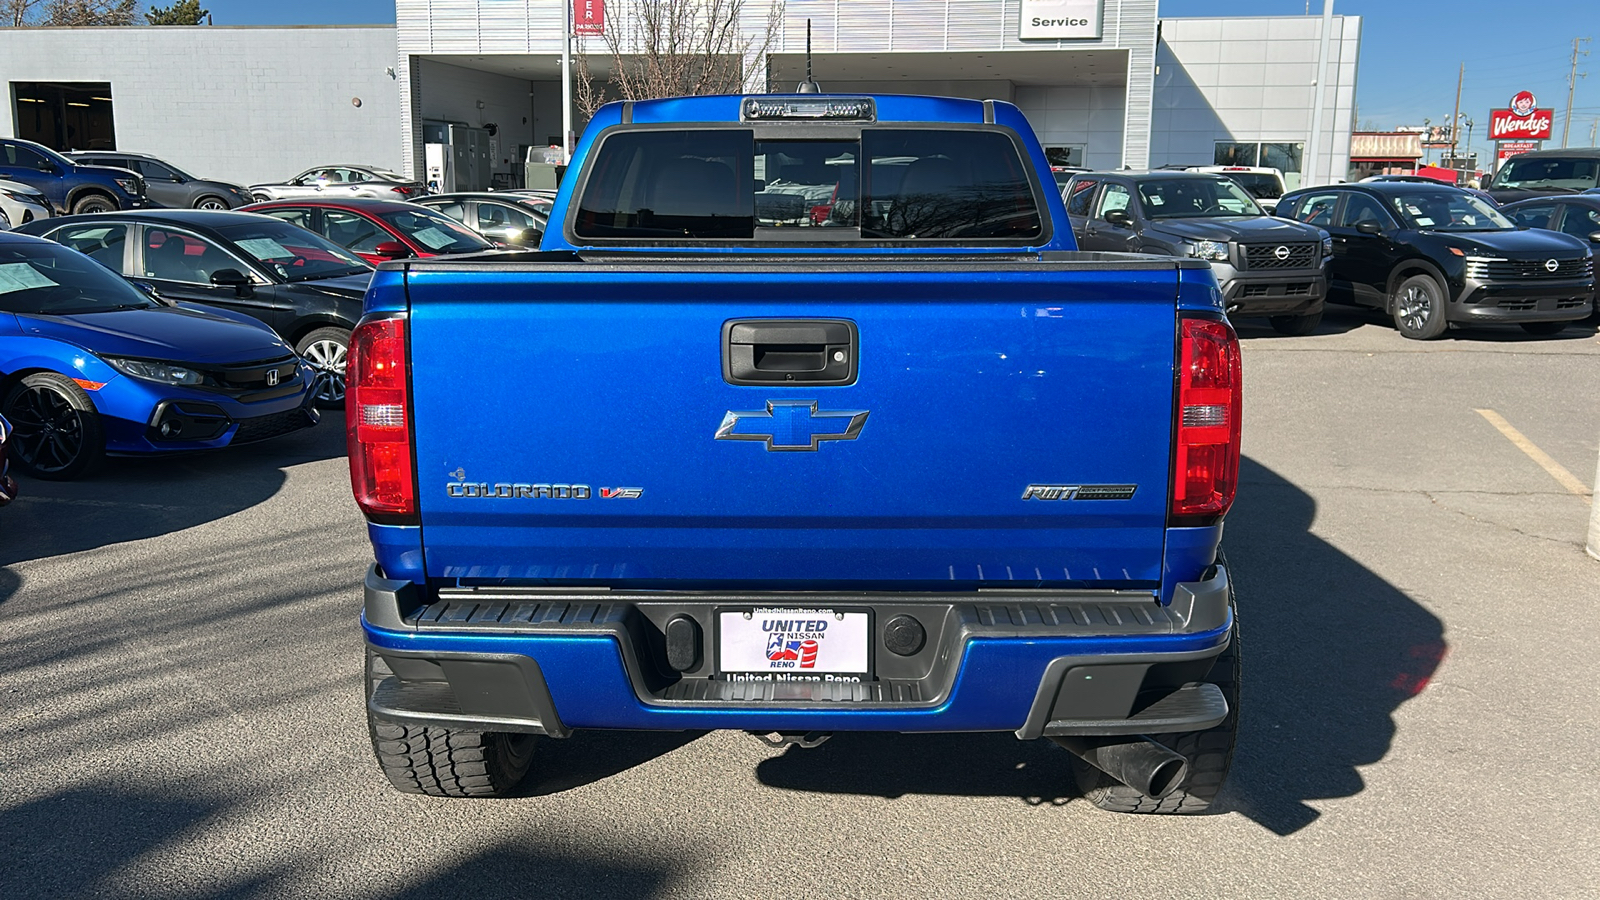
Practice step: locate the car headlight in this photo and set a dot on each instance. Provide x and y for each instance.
(1215, 250)
(1327, 246)
(160, 372)
(131, 185)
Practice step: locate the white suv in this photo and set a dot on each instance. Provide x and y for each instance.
(1264, 184)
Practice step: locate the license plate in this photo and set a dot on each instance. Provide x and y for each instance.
(795, 641)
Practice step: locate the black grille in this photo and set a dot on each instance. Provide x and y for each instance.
(1293, 256)
(1527, 269)
(262, 427)
(1287, 289)
(253, 376)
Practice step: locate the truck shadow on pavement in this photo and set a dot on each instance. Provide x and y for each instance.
(1331, 650)
(133, 498)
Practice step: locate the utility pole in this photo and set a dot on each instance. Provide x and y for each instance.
(1593, 127)
(1455, 117)
(1572, 84)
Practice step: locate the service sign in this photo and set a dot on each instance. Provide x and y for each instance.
(1523, 121)
(1055, 20)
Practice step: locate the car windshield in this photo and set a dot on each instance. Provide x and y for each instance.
(1448, 211)
(52, 280)
(1190, 198)
(1571, 173)
(295, 254)
(1261, 186)
(437, 232)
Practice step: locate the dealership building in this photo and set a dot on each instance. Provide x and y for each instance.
(1105, 83)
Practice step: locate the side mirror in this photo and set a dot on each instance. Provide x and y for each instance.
(235, 279)
(1119, 218)
(528, 237)
(149, 290)
(1369, 228)
(391, 250)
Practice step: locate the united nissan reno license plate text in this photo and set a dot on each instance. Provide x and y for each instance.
(772, 643)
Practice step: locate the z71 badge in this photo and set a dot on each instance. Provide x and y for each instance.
(1079, 491)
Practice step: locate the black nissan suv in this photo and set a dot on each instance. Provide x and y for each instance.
(1265, 266)
(1430, 255)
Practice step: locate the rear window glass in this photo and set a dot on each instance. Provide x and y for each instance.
(892, 183)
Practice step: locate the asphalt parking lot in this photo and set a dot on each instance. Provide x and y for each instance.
(180, 707)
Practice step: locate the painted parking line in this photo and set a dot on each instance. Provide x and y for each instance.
(1556, 470)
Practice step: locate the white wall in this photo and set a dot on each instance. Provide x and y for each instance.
(1253, 79)
(240, 104)
(1092, 116)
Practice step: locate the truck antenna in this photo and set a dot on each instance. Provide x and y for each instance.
(809, 86)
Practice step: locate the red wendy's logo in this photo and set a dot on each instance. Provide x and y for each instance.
(1523, 104)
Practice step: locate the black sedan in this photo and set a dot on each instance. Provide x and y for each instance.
(167, 185)
(511, 219)
(1432, 255)
(304, 286)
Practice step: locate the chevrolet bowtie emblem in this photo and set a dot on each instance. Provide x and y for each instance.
(792, 425)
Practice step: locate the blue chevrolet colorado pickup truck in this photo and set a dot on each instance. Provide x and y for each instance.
(806, 417)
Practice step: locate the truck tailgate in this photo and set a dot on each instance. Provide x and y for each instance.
(567, 427)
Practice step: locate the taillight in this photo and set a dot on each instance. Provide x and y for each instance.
(1205, 460)
(376, 410)
(404, 191)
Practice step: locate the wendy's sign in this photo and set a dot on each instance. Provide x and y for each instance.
(1524, 121)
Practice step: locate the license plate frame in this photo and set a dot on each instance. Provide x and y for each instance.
(749, 658)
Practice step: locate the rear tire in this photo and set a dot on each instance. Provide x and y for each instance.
(56, 433)
(93, 203)
(446, 762)
(1544, 329)
(327, 350)
(1418, 307)
(1209, 752)
(1296, 326)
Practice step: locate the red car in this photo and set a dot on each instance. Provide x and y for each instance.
(376, 230)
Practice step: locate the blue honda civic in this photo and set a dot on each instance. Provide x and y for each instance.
(91, 365)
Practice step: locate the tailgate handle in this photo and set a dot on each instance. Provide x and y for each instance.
(789, 351)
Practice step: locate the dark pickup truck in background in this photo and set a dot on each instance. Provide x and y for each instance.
(1266, 266)
(69, 186)
(806, 418)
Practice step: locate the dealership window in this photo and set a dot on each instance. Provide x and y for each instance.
(1286, 158)
(1068, 155)
(64, 115)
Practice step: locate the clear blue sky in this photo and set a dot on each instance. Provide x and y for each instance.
(1410, 51)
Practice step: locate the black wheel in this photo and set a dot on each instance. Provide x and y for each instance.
(1209, 752)
(446, 762)
(1544, 328)
(261, 198)
(1296, 325)
(93, 203)
(1418, 306)
(56, 431)
(326, 349)
(211, 201)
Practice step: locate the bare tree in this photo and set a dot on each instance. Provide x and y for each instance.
(17, 13)
(90, 12)
(675, 48)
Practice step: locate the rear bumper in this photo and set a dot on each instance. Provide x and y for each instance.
(1035, 663)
